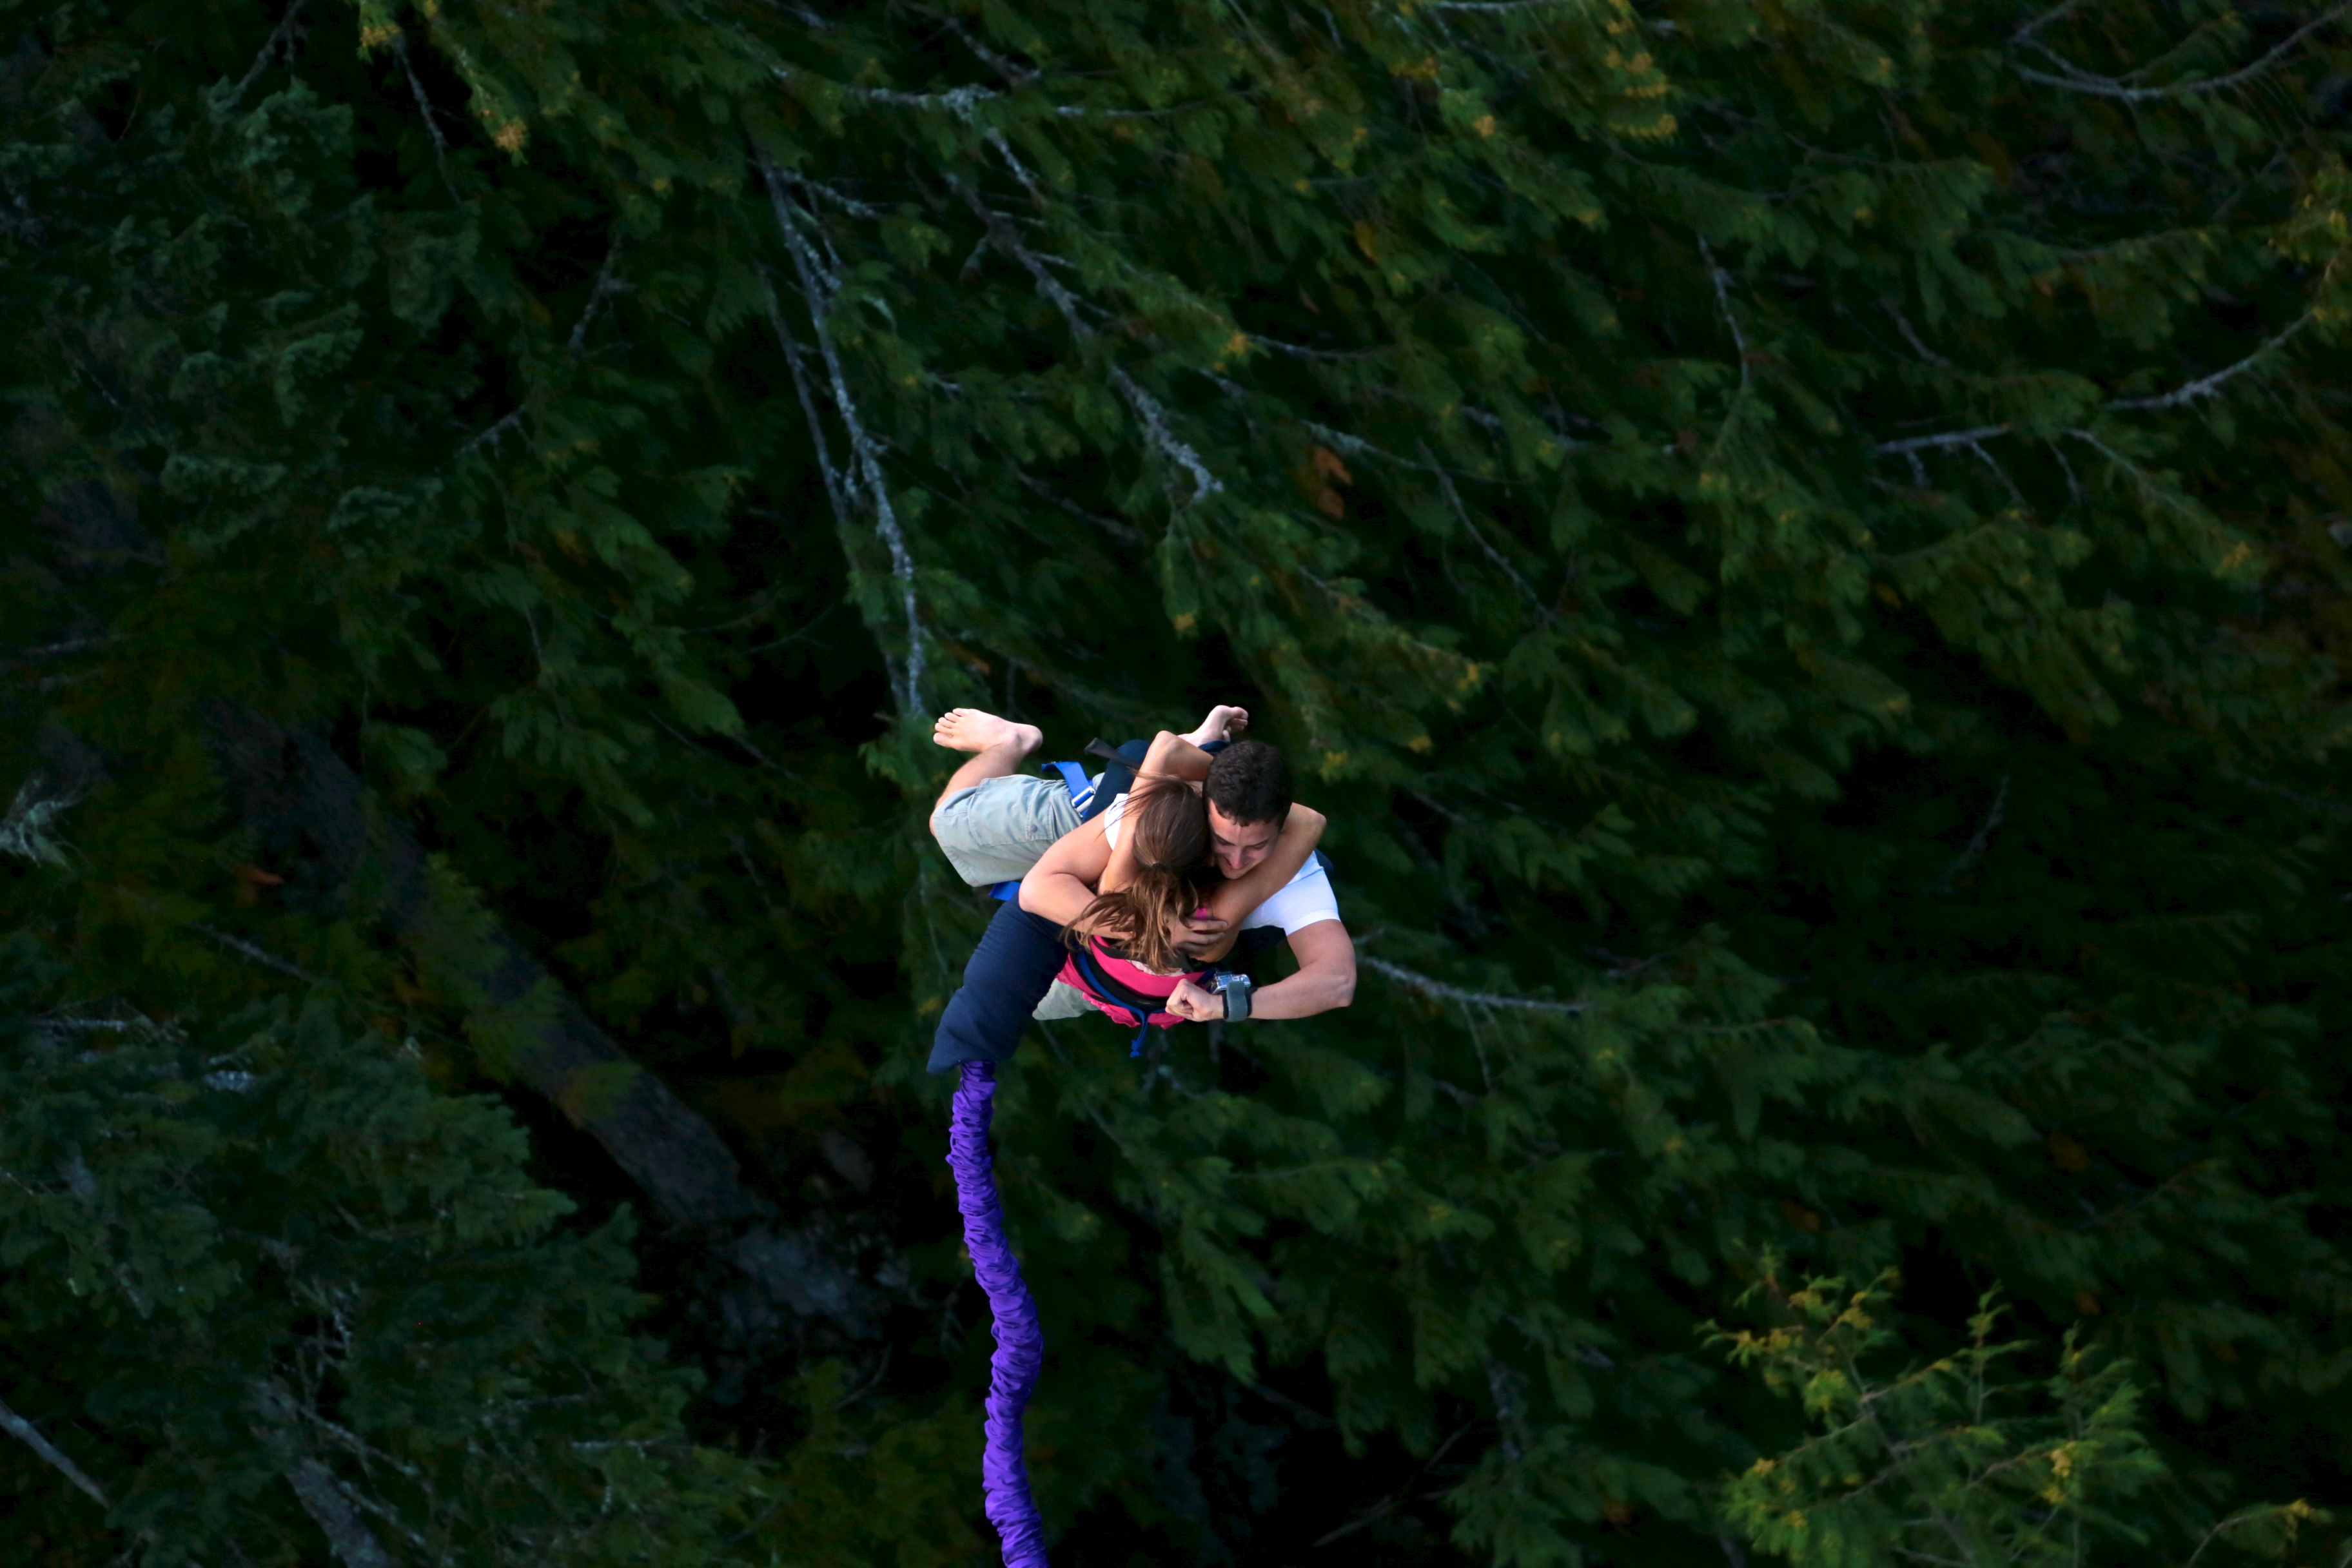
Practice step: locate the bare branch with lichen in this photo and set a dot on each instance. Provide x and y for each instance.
(2207, 386)
(2075, 79)
(24, 1432)
(1428, 985)
(259, 955)
(424, 109)
(2179, 397)
(28, 830)
(1147, 408)
(817, 293)
(280, 38)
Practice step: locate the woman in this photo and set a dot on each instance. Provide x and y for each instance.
(1124, 959)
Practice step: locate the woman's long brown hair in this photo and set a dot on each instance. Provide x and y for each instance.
(1171, 844)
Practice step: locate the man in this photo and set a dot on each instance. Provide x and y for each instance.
(996, 825)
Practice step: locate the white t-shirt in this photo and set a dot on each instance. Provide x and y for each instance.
(1298, 903)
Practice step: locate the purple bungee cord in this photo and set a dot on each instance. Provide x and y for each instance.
(1019, 1343)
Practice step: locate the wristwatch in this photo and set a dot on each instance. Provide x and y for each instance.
(1235, 989)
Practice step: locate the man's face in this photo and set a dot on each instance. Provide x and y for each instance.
(1239, 848)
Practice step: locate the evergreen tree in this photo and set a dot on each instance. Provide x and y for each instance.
(1798, 546)
(260, 1270)
(1959, 1461)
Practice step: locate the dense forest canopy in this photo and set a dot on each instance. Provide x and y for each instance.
(1801, 547)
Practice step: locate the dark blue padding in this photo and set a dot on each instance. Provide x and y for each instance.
(1120, 764)
(1010, 972)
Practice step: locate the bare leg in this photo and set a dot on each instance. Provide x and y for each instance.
(998, 746)
(1224, 722)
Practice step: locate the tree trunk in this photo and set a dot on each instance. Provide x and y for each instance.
(309, 808)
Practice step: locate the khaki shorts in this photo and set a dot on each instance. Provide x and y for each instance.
(995, 830)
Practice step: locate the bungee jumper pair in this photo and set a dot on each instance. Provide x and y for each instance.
(1020, 1341)
(1133, 996)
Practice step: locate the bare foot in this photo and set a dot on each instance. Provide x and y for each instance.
(970, 730)
(1224, 722)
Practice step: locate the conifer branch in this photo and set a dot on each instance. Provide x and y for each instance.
(1976, 846)
(322, 1498)
(849, 204)
(1020, 170)
(2024, 34)
(1155, 423)
(2312, 803)
(262, 957)
(2205, 386)
(1145, 408)
(1461, 513)
(837, 486)
(815, 23)
(1903, 324)
(24, 1432)
(1381, 1509)
(71, 644)
(961, 102)
(2075, 79)
(25, 831)
(1299, 350)
(2147, 486)
(1429, 987)
(1019, 76)
(958, 101)
(425, 111)
(493, 432)
(1948, 438)
(1125, 532)
(496, 432)
(280, 38)
(607, 285)
(1504, 1385)
(1723, 300)
(2009, 484)
(1355, 445)
(863, 451)
(2179, 397)
(2073, 484)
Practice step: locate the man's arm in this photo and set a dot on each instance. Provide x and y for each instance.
(1325, 979)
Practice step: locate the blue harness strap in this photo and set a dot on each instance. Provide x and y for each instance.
(1074, 775)
(1108, 990)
